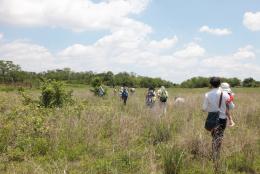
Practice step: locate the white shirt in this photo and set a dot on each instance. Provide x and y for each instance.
(211, 102)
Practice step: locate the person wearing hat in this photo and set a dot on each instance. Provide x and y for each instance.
(230, 105)
(215, 104)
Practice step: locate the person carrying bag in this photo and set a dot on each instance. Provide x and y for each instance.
(213, 117)
(215, 104)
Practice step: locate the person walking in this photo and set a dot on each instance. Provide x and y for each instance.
(150, 97)
(124, 95)
(162, 95)
(215, 104)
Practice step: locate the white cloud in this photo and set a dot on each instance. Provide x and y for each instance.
(240, 64)
(163, 44)
(78, 15)
(191, 50)
(30, 56)
(1, 36)
(115, 52)
(215, 31)
(252, 21)
(244, 53)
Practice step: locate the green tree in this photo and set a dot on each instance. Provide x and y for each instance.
(8, 71)
(249, 82)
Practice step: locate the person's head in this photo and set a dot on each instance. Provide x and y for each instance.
(162, 88)
(151, 88)
(214, 82)
(226, 87)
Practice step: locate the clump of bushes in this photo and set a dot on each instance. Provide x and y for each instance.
(54, 94)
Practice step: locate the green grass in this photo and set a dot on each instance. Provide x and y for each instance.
(101, 136)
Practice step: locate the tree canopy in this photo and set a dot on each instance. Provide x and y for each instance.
(12, 73)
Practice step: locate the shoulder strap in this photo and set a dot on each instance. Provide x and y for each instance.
(220, 100)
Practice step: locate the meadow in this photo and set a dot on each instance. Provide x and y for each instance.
(102, 136)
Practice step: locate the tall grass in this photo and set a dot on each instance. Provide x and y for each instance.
(102, 136)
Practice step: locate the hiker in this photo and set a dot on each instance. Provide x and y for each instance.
(215, 104)
(101, 91)
(124, 94)
(150, 97)
(162, 95)
(230, 105)
(121, 91)
(115, 91)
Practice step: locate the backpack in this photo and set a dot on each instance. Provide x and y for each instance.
(124, 93)
(150, 94)
(163, 97)
(101, 91)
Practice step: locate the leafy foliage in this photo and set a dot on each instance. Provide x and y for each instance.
(202, 82)
(250, 82)
(53, 94)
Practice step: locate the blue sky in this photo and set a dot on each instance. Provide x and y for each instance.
(172, 39)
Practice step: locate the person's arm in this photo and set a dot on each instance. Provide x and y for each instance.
(205, 104)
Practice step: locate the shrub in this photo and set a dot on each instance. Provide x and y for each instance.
(53, 94)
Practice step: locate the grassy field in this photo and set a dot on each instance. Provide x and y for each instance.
(101, 136)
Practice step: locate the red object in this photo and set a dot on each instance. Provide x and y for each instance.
(231, 99)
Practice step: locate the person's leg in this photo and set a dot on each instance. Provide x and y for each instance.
(217, 138)
(164, 108)
(125, 99)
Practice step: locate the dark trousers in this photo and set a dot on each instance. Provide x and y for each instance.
(124, 99)
(217, 137)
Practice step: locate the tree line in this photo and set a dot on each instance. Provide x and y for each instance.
(11, 73)
(201, 82)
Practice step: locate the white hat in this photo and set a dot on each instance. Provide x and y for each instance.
(226, 87)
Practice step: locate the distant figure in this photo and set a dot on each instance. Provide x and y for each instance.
(150, 97)
(115, 91)
(121, 91)
(230, 105)
(132, 90)
(162, 95)
(101, 91)
(124, 95)
(179, 100)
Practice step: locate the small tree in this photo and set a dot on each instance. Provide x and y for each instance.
(54, 94)
(249, 82)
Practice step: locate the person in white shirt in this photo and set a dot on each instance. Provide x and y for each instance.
(213, 104)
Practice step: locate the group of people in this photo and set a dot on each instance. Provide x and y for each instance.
(150, 98)
(218, 103)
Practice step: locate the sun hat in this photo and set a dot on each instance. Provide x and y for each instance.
(226, 87)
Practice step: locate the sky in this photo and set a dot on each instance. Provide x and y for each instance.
(171, 39)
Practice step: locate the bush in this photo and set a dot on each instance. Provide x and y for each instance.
(53, 94)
